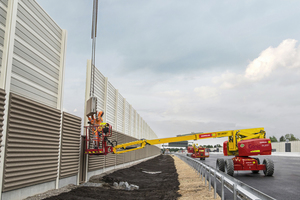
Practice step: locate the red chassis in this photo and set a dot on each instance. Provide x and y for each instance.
(96, 139)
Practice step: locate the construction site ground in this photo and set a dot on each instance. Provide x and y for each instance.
(163, 177)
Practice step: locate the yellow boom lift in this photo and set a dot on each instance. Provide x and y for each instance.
(241, 143)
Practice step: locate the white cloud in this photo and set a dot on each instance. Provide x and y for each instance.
(171, 93)
(206, 92)
(286, 55)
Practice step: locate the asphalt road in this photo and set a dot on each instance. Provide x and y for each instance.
(283, 185)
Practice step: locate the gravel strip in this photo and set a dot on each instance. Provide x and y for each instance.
(191, 186)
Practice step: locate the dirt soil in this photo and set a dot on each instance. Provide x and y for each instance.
(164, 185)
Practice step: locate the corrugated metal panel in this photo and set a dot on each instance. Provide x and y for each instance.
(99, 89)
(26, 15)
(33, 132)
(138, 126)
(44, 17)
(120, 159)
(132, 155)
(23, 51)
(121, 139)
(110, 158)
(0, 61)
(2, 103)
(134, 124)
(2, 32)
(37, 55)
(70, 145)
(127, 118)
(96, 162)
(3, 16)
(120, 113)
(29, 38)
(129, 156)
(111, 104)
(4, 2)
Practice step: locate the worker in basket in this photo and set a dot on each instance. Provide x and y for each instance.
(96, 129)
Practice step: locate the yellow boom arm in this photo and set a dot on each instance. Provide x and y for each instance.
(234, 136)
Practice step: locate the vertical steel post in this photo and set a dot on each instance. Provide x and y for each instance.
(193, 165)
(234, 192)
(201, 172)
(222, 185)
(205, 173)
(209, 178)
(215, 185)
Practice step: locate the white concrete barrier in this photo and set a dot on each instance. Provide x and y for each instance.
(292, 154)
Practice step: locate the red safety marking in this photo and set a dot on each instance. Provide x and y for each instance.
(205, 135)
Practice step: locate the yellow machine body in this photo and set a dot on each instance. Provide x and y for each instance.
(234, 136)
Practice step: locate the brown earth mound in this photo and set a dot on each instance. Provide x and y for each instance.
(162, 185)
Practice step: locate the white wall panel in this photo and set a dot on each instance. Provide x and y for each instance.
(43, 16)
(111, 104)
(34, 52)
(127, 118)
(99, 89)
(3, 13)
(32, 59)
(119, 113)
(132, 121)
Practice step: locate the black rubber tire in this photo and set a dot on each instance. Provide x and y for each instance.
(220, 165)
(256, 171)
(269, 167)
(203, 158)
(229, 167)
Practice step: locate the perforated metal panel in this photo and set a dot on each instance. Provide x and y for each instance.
(2, 104)
(70, 146)
(32, 143)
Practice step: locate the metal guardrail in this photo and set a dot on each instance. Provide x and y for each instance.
(239, 189)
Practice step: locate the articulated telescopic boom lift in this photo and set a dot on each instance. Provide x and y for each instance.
(241, 144)
(197, 152)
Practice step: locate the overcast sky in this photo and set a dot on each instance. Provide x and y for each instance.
(190, 66)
